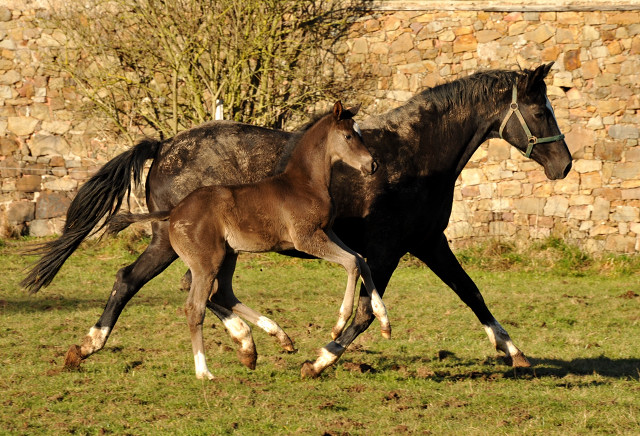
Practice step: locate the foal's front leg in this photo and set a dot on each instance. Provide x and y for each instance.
(321, 245)
(379, 309)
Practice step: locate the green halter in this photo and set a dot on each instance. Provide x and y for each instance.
(532, 140)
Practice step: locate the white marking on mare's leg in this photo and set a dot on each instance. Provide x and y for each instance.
(202, 371)
(328, 356)
(502, 342)
(95, 340)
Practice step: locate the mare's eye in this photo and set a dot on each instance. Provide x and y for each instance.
(539, 115)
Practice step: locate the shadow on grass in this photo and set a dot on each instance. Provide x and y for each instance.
(602, 365)
(34, 304)
(446, 366)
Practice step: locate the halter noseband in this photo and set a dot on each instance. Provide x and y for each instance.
(532, 140)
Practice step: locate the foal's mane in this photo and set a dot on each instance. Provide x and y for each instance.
(293, 140)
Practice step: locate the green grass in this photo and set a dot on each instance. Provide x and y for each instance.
(576, 317)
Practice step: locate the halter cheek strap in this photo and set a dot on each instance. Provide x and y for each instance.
(532, 140)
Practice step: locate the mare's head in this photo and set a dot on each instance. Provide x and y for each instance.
(344, 140)
(529, 124)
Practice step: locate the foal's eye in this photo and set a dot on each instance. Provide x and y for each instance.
(347, 137)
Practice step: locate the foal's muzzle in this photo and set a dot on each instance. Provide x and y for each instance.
(369, 169)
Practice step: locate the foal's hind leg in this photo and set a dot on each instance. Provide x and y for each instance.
(156, 257)
(201, 288)
(226, 298)
(240, 332)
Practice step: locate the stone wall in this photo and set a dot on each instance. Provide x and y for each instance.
(48, 149)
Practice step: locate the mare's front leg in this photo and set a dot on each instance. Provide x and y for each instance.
(156, 257)
(240, 333)
(444, 264)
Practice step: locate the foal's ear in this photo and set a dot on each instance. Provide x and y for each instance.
(337, 110)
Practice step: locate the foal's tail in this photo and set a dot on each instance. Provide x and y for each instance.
(100, 197)
(121, 221)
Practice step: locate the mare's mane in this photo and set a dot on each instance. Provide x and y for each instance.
(483, 87)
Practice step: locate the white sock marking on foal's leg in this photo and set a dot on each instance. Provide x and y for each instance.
(201, 366)
(268, 325)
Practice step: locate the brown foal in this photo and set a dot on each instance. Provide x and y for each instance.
(292, 210)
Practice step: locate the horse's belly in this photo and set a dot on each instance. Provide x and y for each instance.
(255, 243)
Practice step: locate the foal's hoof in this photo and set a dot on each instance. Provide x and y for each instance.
(248, 359)
(287, 345)
(308, 371)
(518, 360)
(386, 333)
(73, 358)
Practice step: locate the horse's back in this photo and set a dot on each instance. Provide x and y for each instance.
(217, 152)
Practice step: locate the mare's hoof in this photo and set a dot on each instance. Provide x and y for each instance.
(386, 333)
(248, 359)
(73, 358)
(519, 360)
(308, 371)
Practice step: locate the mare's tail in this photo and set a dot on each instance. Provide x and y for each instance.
(100, 197)
(121, 221)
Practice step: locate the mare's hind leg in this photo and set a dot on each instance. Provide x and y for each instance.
(445, 265)
(156, 257)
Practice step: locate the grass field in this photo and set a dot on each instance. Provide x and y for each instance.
(576, 318)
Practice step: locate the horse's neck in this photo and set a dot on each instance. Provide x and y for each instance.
(309, 163)
(440, 142)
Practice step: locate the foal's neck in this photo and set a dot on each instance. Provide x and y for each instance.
(310, 163)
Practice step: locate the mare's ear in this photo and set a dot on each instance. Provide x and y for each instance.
(538, 75)
(337, 110)
(354, 110)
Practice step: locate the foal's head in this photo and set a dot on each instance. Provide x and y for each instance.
(344, 140)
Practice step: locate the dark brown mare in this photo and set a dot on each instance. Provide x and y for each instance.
(291, 210)
(421, 146)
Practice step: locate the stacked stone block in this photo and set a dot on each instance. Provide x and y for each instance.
(48, 149)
